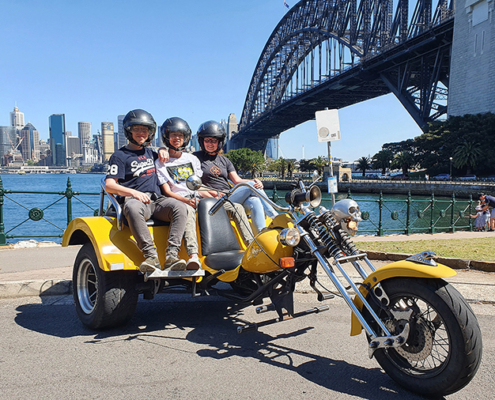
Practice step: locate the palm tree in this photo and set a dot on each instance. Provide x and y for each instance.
(364, 163)
(467, 155)
(403, 160)
(320, 163)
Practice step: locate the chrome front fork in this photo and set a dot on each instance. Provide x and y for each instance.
(376, 342)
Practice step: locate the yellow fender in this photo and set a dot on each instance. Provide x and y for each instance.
(115, 250)
(396, 270)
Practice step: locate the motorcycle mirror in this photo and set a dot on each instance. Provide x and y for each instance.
(315, 175)
(194, 182)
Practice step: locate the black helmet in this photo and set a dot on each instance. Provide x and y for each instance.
(175, 124)
(211, 129)
(139, 117)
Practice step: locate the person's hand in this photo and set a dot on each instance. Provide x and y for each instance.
(258, 184)
(163, 155)
(192, 202)
(142, 197)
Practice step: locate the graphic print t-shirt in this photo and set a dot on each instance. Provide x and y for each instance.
(176, 171)
(134, 169)
(216, 170)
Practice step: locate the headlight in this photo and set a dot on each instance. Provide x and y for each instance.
(289, 237)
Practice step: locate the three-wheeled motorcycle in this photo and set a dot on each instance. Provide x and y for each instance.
(419, 328)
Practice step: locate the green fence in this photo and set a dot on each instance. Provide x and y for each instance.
(419, 214)
(381, 216)
(38, 214)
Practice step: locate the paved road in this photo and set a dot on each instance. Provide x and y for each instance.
(175, 349)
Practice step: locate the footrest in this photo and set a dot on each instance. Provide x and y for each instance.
(190, 273)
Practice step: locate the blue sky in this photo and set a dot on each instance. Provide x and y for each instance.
(95, 59)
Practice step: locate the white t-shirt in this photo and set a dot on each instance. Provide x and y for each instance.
(176, 171)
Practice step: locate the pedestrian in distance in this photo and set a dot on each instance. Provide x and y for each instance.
(489, 202)
(172, 177)
(132, 178)
(480, 222)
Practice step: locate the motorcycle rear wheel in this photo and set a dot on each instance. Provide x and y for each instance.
(103, 299)
(444, 348)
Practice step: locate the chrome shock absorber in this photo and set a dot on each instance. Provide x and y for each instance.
(324, 236)
(332, 225)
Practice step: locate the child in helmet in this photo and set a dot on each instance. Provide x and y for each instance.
(172, 176)
(132, 177)
(218, 170)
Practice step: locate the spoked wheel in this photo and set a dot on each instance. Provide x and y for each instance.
(102, 299)
(443, 351)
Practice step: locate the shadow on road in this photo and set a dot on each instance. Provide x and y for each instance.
(211, 327)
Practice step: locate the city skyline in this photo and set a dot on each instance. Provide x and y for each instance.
(199, 73)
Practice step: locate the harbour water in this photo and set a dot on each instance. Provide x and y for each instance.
(18, 207)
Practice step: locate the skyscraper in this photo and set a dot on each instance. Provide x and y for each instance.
(7, 138)
(121, 140)
(107, 133)
(57, 139)
(27, 137)
(17, 119)
(84, 130)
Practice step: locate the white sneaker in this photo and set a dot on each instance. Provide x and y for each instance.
(193, 263)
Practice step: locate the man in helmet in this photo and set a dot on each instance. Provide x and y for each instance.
(132, 177)
(172, 176)
(218, 170)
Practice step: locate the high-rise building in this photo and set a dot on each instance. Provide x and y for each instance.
(57, 139)
(84, 131)
(107, 133)
(120, 139)
(27, 137)
(7, 139)
(17, 119)
(272, 148)
(231, 129)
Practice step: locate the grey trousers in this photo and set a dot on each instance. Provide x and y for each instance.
(238, 214)
(190, 234)
(164, 209)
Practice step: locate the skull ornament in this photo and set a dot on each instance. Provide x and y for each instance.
(348, 214)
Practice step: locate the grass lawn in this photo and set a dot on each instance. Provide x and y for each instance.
(482, 249)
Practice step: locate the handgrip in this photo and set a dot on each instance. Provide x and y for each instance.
(217, 205)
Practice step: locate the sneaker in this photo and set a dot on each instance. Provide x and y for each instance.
(174, 264)
(151, 264)
(193, 263)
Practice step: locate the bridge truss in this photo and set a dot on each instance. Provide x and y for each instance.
(334, 53)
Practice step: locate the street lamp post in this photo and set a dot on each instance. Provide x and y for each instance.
(450, 168)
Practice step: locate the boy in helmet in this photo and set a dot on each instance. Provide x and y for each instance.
(132, 177)
(172, 176)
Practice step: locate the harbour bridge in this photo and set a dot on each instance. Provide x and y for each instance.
(335, 53)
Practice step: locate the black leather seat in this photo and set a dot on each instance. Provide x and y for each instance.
(218, 240)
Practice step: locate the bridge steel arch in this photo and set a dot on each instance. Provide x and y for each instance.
(334, 53)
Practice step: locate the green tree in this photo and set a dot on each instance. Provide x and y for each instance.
(467, 155)
(382, 159)
(364, 163)
(247, 160)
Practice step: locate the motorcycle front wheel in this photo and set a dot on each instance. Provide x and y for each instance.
(443, 351)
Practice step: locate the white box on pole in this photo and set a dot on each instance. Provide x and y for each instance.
(327, 125)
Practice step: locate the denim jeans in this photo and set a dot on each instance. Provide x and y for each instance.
(254, 206)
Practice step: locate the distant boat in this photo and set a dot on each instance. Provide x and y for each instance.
(21, 172)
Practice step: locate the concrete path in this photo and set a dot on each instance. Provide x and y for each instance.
(47, 268)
